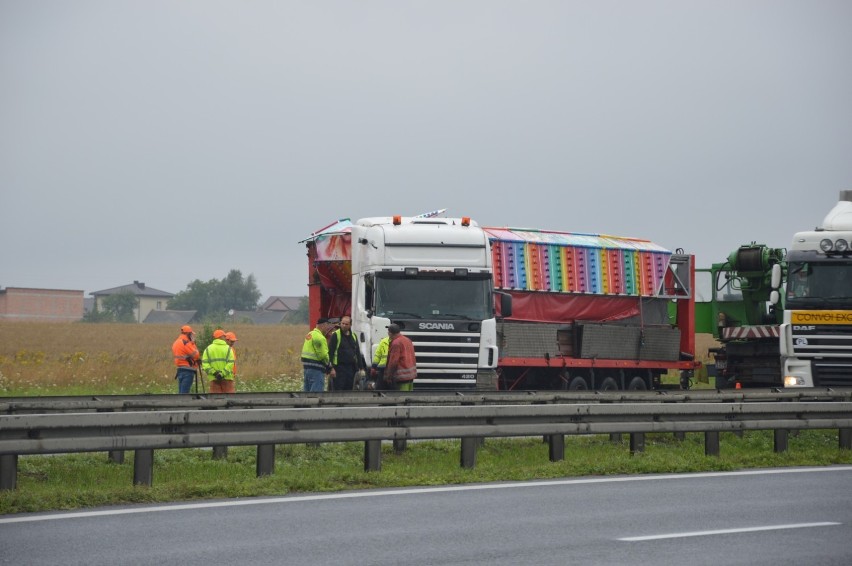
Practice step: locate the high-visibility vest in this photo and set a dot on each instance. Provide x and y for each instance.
(380, 357)
(185, 352)
(340, 337)
(218, 356)
(315, 350)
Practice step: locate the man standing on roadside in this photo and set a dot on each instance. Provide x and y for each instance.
(218, 363)
(346, 357)
(186, 358)
(231, 339)
(402, 367)
(380, 361)
(315, 360)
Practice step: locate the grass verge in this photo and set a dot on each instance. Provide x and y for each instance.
(87, 480)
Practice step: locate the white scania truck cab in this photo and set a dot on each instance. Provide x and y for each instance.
(433, 277)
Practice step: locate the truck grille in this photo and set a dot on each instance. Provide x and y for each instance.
(829, 347)
(445, 358)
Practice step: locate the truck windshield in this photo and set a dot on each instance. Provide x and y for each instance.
(819, 283)
(433, 298)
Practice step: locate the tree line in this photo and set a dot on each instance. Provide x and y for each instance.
(210, 299)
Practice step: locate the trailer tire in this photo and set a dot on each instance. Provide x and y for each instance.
(577, 383)
(608, 384)
(637, 384)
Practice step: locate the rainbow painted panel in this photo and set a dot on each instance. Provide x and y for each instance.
(533, 260)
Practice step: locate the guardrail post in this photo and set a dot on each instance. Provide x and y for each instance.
(372, 455)
(220, 452)
(8, 471)
(711, 443)
(399, 445)
(143, 467)
(556, 447)
(637, 442)
(845, 439)
(680, 436)
(780, 440)
(468, 452)
(265, 459)
(615, 437)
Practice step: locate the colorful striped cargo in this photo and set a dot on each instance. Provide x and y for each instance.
(564, 262)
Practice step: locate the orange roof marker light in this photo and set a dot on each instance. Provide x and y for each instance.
(465, 220)
(397, 220)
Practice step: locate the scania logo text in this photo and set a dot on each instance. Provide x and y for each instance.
(436, 326)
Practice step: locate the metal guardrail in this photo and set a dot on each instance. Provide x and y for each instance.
(21, 405)
(144, 431)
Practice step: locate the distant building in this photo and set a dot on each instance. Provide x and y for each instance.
(40, 305)
(258, 317)
(150, 299)
(176, 318)
(286, 305)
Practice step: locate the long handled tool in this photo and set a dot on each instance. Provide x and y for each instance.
(199, 377)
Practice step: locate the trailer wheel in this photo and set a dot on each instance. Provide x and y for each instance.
(637, 384)
(577, 383)
(608, 384)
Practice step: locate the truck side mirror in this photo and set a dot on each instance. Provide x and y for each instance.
(776, 276)
(774, 297)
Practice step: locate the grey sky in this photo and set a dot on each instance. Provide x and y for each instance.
(167, 141)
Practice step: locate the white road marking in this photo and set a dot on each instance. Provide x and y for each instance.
(729, 531)
(403, 491)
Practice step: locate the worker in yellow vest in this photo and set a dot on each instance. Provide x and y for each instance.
(380, 361)
(315, 359)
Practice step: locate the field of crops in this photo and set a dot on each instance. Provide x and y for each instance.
(124, 359)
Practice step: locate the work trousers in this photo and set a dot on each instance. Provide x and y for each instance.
(185, 376)
(344, 379)
(314, 379)
(222, 386)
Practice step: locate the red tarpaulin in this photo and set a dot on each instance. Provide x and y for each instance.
(561, 307)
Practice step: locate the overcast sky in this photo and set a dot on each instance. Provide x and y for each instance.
(168, 141)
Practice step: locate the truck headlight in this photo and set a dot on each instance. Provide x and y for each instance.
(793, 381)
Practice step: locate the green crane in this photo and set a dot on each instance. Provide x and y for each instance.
(743, 310)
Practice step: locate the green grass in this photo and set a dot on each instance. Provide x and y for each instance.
(87, 480)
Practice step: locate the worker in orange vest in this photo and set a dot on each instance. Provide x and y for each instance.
(186, 357)
(231, 339)
(402, 364)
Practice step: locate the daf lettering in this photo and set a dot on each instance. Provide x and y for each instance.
(811, 327)
(436, 326)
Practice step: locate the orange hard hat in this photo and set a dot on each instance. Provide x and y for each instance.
(218, 333)
(231, 336)
(186, 329)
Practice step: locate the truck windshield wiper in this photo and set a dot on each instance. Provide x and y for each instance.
(454, 315)
(401, 313)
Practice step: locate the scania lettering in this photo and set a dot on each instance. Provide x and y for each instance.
(436, 326)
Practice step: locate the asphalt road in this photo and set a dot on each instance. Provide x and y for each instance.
(800, 516)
